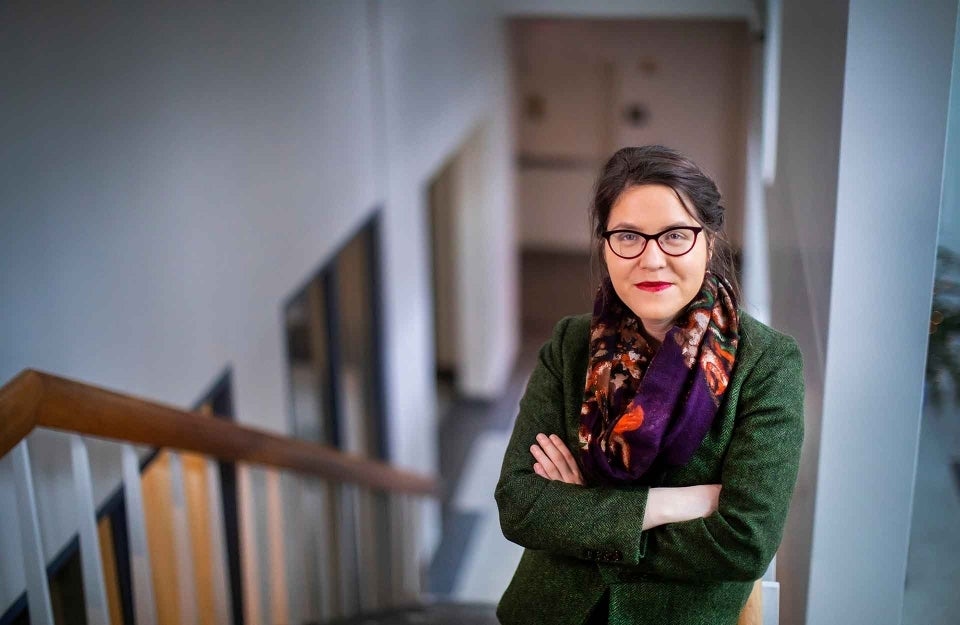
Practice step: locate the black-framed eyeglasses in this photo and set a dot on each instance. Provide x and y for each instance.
(629, 244)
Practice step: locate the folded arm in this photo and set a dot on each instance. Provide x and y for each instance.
(611, 523)
(664, 505)
(758, 476)
(541, 513)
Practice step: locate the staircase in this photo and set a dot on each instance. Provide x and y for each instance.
(318, 536)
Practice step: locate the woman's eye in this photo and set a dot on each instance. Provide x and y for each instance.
(677, 235)
(627, 237)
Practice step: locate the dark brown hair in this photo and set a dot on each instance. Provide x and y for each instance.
(656, 164)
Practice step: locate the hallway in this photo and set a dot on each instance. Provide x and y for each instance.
(474, 562)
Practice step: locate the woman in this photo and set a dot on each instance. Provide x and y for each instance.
(656, 492)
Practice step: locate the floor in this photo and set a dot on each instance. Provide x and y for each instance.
(474, 562)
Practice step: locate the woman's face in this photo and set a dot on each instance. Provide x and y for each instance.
(655, 286)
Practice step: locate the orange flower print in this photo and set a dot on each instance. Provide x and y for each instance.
(631, 420)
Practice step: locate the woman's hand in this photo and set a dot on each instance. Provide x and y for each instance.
(554, 461)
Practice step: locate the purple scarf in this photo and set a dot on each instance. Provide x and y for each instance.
(643, 405)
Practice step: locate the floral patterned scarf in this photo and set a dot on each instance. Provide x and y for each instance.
(642, 405)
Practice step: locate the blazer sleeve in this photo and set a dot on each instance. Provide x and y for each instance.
(593, 523)
(758, 476)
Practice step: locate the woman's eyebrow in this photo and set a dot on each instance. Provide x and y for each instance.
(623, 225)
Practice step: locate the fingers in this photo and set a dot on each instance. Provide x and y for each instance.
(555, 460)
(568, 458)
(547, 468)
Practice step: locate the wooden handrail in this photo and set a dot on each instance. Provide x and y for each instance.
(37, 399)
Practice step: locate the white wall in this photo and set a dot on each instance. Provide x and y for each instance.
(891, 167)
(443, 76)
(168, 177)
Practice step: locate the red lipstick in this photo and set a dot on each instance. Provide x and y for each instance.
(652, 287)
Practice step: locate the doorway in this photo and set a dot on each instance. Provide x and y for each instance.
(441, 199)
(584, 88)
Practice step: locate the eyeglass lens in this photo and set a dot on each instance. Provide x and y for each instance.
(674, 242)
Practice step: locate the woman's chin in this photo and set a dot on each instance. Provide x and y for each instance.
(658, 315)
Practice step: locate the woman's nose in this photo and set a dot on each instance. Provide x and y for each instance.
(652, 256)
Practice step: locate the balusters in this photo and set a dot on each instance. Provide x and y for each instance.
(310, 580)
(346, 549)
(204, 561)
(405, 554)
(357, 546)
(411, 535)
(279, 608)
(94, 589)
(249, 546)
(375, 557)
(204, 497)
(395, 503)
(144, 605)
(333, 559)
(185, 580)
(297, 544)
(366, 551)
(38, 593)
(218, 560)
(380, 502)
(348, 571)
(325, 554)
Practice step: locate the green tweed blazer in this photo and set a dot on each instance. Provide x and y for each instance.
(581, 541)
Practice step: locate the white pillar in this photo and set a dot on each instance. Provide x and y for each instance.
(894, 118)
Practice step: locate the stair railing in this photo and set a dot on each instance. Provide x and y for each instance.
(358, 515)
